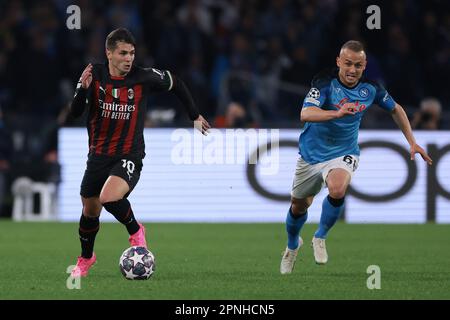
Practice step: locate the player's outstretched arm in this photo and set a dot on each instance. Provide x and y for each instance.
(401, 119)
(79, 100)
(315, 114)
(182, 93)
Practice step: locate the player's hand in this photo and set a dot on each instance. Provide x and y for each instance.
(346, 110)
(202, 125)
(415, 148)
(86, 77)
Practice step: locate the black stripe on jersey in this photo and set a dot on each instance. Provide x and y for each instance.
(103, 122)
(126, 127)
(94, 118)
(130, 145)
(114, 138)
(112, 122)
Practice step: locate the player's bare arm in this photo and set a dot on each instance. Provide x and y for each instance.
(315, 114)
(401, 119)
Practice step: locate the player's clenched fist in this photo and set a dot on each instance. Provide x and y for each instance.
(86, 77)
(347, 109)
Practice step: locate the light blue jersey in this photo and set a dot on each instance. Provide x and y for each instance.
(323, 141)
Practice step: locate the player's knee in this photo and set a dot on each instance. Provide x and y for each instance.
(299, 208)
(337, 191)
(105, 198)
(92, 210)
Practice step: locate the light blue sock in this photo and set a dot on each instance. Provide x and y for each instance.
(329, 216)
(293, 227)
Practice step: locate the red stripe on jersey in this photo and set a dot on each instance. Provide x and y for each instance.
(119, 124)
(103, 135)
(94, 117)
(131, 131)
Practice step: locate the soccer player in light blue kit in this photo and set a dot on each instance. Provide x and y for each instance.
(329, 151)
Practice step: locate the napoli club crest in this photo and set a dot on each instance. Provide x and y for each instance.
(363, 92)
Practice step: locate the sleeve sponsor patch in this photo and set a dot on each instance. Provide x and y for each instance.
(313, 101)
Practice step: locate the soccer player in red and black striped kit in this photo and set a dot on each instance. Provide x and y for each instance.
(115, 96)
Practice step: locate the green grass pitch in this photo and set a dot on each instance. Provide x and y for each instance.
(229, 261)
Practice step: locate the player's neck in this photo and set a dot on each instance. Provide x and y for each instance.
(345, 84)
(114, 72)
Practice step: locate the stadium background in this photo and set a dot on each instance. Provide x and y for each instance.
(249, 65)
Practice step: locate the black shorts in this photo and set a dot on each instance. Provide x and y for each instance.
(99, 168)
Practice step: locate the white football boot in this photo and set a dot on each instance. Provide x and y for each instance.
(289, 257)
(320, 250)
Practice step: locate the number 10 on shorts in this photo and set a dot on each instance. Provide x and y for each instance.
(129, 165)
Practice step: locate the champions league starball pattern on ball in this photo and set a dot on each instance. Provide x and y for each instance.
(137, 263)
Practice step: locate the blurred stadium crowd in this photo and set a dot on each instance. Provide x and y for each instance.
(248, 63)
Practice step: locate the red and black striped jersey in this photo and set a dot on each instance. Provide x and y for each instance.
(117, 109)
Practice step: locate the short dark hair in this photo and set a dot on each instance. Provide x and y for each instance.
(354, 45)
(117, 35)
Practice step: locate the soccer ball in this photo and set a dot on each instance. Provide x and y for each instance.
(137, 263)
